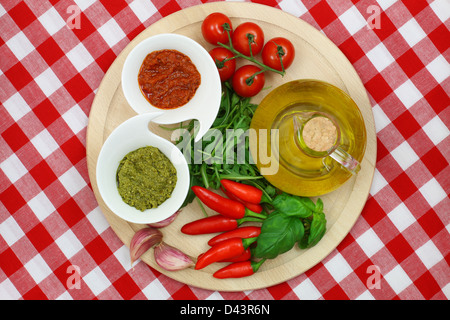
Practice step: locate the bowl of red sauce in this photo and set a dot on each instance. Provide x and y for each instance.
(173, 75)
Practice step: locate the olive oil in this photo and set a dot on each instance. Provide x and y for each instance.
(298, 172)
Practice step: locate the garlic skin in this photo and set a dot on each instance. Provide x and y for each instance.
(170, 258)
(143, 240)
(165, 222)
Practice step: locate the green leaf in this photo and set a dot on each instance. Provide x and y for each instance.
(279, 233)
(317, 229)
(293, 205)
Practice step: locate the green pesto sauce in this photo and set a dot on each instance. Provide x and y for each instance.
(146, 178)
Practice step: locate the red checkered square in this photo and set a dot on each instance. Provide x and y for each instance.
(98, 249)
(399, 248)
(403, 186)
(15, 137)
(170, 7)
(439, 37)
(378, 88)
(126, 286)
(78, 88)
(22, 15)
(406, 124)
(40, 237)
(427, 285)
(415, 6)
(35, 293)
(410, 63)
(435, 161)
(46, 112)
(86, 28)
(50, 51)
(387, 27)
(70, 212)
(12, 199)
(19, 76)
(10, 263)
(323, 14)
(438, 99)
(43, 174)
(351, 49)
(114, 7)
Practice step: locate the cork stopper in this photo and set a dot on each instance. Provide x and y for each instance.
(319, 134)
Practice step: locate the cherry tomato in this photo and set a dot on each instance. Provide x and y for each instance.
(271, 50)
(226, 70)
(212, 28)
(240, 38)
(240, 81)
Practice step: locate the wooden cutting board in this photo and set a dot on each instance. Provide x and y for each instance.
(316, 58)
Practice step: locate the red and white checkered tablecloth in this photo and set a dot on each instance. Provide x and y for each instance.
(49, 217)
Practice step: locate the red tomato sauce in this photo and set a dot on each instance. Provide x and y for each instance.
(168, 79)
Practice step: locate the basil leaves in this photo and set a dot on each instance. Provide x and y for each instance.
(294, 220)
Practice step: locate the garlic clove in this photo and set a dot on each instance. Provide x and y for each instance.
(143, 240)
(171, 259)
(165, 222)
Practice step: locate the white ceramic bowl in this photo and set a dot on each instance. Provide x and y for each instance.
(129, 136)
(203, 106)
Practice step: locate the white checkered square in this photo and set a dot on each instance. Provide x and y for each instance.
(72, 181)
(96, 281)
(16, 106)
(338, 267)
(380, 57)
(404, 155)
(52, 21)
(80, 57)
(69, 244)
(11, 231)
(433, 192)
(401, 217)
(369, 242)
(75, 118)
(13, 168)
(436, 130)
(20, 45)
(412, 32)
(143, 9)
(155, 291)
(429, 254)
(111, 32)
(41, 206)
(439, 68)
(48, 82)
(38, 268)
(294, 7)
(408, 93)
(353, 20)
(397, 279)
(44, 143)
(307, 291)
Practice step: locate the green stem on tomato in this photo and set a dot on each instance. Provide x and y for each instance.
(251, 59)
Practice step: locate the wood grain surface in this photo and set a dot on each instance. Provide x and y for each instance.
(316, 58)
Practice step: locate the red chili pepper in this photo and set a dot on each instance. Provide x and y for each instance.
(242, 232)
(243, 191)
(222, 205)
(213, 224)
(246, 255)
(238, 269)
(223, 250)
(255, 207)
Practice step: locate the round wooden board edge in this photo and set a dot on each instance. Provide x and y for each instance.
(328, 243)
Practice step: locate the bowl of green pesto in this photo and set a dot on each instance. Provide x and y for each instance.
(142, 177)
